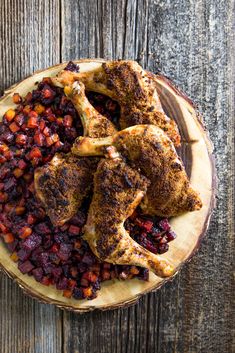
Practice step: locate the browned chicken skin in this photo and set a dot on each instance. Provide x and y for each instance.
(62, 184)
(118, 190)
(150, 151)
(131, 86)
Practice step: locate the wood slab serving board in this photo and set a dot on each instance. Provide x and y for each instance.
(196, 152)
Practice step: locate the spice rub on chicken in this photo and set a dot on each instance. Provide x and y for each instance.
(132, 87)
(118, 190)
(62, 184)
(149, 151)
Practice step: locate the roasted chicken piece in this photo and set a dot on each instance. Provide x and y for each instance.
(62, 184)
(151, 152)
(118, 190)
(132, 87)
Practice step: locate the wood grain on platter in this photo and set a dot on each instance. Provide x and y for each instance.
(196, 151)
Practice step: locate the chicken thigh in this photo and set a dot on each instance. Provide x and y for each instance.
(118, 190)
(148, 149)
(62, 184)
(132, 87)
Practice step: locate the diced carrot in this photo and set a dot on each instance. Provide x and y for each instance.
(14, 256)
(3, 228)
(2, 159)
(25, 232)
(77, 244)
(8, 154)
(72, 283)
(42, 125)
(27, 109)
(46, 131)
(3, 197)
(31, 219)
(50, 140)
(18, 172)
(134, 270)
(19, 210)
(74, 271)
(39, 108)
(16, 98)
(68, 121)
(3, 147)
(59, 121)
(35, 153)
(28, 176)
(10, 114)
(39, 139)
(9, 238)
(14, 127)
(87, 292)
(51, 118)
(21, 139)
(32, 122)
(67, 293)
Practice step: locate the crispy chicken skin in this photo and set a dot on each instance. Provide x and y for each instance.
(62, 184)
(148, 149)
(118, 190)
(132, 87)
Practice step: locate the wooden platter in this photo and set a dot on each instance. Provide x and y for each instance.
(196, 152)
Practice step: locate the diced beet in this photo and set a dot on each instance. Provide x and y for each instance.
(48, 268)
(26, 267)
(47, 241)
(163, 248)
(38, 274)
(78, 293)
(23, 254)
(11, 182)
(164, 224)
(56, 272)
(170, 235)
(62, 284)
(74, 230)
(88, 259)
(42, 228)
(71, 66)
(12, 246)
(43, 258)
(32, 242)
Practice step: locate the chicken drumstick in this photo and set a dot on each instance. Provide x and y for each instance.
(132, 87)
(63, 183)
(118, 190)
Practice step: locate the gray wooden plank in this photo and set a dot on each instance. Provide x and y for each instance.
(30, 40)
(192, 42)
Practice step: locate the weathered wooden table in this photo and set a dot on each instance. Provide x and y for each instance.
(193, 43)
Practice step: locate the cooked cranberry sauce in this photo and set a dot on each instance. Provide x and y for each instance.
(43, 123)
